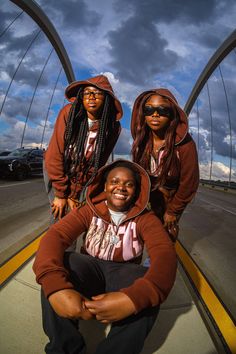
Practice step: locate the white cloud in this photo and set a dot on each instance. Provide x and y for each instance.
(219, 171)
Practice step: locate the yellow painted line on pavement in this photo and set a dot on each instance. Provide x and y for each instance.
(13, 264)
(211, 300)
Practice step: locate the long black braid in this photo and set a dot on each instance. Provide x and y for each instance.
(106, 128)
(76, 133)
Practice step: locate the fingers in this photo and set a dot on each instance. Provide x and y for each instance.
(98, 297)
(58, 211)
(61, 212)
(54, 211)
(102, 320)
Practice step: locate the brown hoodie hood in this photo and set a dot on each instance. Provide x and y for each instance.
(102, 83)
(95, 195)
(182, 127)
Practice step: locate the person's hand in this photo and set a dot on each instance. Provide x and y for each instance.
(169, 220)
(110, 307)
(59, 207)
(72, 204)
(171, 225)
(69, 303)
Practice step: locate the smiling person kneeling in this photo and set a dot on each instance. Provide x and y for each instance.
(106, 281)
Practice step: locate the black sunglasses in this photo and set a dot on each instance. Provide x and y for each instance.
(161, 110)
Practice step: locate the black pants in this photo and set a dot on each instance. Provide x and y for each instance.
(91, 277)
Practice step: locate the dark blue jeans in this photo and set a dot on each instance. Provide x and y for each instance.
(90, 277)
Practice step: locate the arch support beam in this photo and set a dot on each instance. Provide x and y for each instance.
(225, 48)
(36, 13)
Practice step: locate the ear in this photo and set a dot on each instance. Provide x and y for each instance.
(105, 187)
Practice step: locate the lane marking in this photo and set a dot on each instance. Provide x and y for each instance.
(14, 184)
(211, 300)
(13, 264)
(219, 207)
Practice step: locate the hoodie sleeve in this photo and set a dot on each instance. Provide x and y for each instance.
(48, 265)
(189, 179)
(154, 287)
(54, 156)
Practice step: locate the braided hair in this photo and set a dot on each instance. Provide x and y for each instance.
(76, 133)
(143, 144)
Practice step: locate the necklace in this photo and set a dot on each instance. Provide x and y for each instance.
(116, 220)
(113, 237)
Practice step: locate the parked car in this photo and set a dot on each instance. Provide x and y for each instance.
(4, 153)
(22, 163)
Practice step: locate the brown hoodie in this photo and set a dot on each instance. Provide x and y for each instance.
(54, 156)
(140, 227)
(183, 182)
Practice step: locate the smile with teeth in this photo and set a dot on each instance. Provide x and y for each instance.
(119, 196)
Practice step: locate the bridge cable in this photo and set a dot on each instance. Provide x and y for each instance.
(4, 31)
(4, 100)
(198, 127)
(46, 119)
(230, 125)
(211, 128)
(31, 102)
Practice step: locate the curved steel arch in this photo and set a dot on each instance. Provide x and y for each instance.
(216, 59)
(36, 13)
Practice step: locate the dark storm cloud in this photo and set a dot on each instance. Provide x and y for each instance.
(221, 147)
(73, 14)
(209, 39)
(12, 43)
(218, 123)
(193, 12)
(27, 74)
(222, 120)
(137, 43)
(203, 148)
(139, 52)
(18, 107)
(7, 17)
(138, 49)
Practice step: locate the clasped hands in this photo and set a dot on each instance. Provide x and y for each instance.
(106, 308)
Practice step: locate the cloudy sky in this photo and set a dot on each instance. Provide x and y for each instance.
(138, 44)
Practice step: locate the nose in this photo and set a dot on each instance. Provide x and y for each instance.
(121, 187)
(156, 114)
(91, 93)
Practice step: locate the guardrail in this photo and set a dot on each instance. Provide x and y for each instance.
(224, 185)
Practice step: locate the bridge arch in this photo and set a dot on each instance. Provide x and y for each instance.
(36, 13)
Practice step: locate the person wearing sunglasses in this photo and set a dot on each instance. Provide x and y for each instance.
(84, 136)
(164, 148)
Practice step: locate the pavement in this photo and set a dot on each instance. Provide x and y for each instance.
(179, 328)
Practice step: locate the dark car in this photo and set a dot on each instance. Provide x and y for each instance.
(4, 153)
(21, 163)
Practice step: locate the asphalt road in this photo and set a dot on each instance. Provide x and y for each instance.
(24, 213)
(207, 230)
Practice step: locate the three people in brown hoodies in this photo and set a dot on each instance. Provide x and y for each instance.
(115, 219)
(84, 136)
